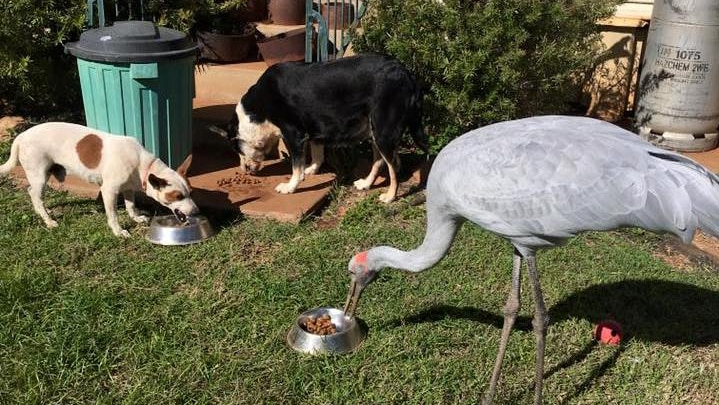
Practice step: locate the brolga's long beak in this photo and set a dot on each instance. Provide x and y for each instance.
(353, 295)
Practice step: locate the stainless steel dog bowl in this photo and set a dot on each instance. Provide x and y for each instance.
(168, 230)
(348, 336)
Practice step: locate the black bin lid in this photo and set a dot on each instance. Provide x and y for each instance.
(132, 41)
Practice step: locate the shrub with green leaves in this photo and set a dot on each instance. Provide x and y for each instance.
(38, 79)
(184, 15)
(488, 60)
(35, 75)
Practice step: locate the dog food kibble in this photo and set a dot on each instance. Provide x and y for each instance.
(239, 178)
(320, 326)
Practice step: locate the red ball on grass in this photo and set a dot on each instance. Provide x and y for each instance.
(608, 332)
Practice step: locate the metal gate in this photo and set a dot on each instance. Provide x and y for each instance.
(330, 24)
(335, 22)
(128, 10)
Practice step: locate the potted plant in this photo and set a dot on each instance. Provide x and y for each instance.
(284, 47)
(287, 12)
(184, 15)
(223, 28)
(223, 35)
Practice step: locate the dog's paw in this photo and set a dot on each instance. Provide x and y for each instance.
(311, 169)
(386, 198)
(285, 188)
(50, 223)
(362, 184)
(141, 219)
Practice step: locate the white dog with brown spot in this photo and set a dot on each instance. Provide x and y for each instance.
(118, 164)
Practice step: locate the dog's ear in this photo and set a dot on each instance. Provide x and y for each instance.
(219, 131)
(232, 126)
(184, 168)
(157, 182)
(230, 130)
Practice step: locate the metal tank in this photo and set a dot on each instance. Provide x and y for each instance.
(678, 91)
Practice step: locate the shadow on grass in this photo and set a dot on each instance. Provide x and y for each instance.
(439, 312)
(84, 204)
(649, 310)
(596, 373)
(576, 358)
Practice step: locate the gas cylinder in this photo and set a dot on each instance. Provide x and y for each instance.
(678, 89)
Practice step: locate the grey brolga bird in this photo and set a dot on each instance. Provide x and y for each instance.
(537, 182)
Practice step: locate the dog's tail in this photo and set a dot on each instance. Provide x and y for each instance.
(12, 160)
(416, 130)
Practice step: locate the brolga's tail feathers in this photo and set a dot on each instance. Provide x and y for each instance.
(668, 204)
(674, 157)
(705, 205)
(700, 195)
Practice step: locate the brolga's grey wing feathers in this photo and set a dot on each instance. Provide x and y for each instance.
(540, 180)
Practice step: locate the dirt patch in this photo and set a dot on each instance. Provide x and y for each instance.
(673, 257)
(7, 123)
(410, 189)
(708, 244)
(703, 251)
(331, 218)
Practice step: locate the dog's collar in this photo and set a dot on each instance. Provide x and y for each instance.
(147, 173)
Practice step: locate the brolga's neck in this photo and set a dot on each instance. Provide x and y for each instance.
(439, 237)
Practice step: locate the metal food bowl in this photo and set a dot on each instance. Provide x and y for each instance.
(348, 336)
(168, 230)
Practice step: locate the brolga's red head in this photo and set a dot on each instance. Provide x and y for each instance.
(362, 274)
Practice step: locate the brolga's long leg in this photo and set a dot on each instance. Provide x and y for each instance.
(511, 308)
(539, 324)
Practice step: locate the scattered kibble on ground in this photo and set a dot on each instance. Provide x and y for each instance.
(237, 179)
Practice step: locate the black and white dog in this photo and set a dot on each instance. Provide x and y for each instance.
(343, 101)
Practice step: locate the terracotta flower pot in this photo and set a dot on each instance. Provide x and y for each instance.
(227, 48)
(285, 47)
(287, 12)
(337, 15)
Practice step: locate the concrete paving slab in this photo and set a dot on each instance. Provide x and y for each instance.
(255, 195)
(218, 183)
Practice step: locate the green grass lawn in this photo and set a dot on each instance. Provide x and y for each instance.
(86, 317)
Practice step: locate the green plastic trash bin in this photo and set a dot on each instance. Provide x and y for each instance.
(137, 79)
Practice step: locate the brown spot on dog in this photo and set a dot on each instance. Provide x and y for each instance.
(174, 195)
(89, 150)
